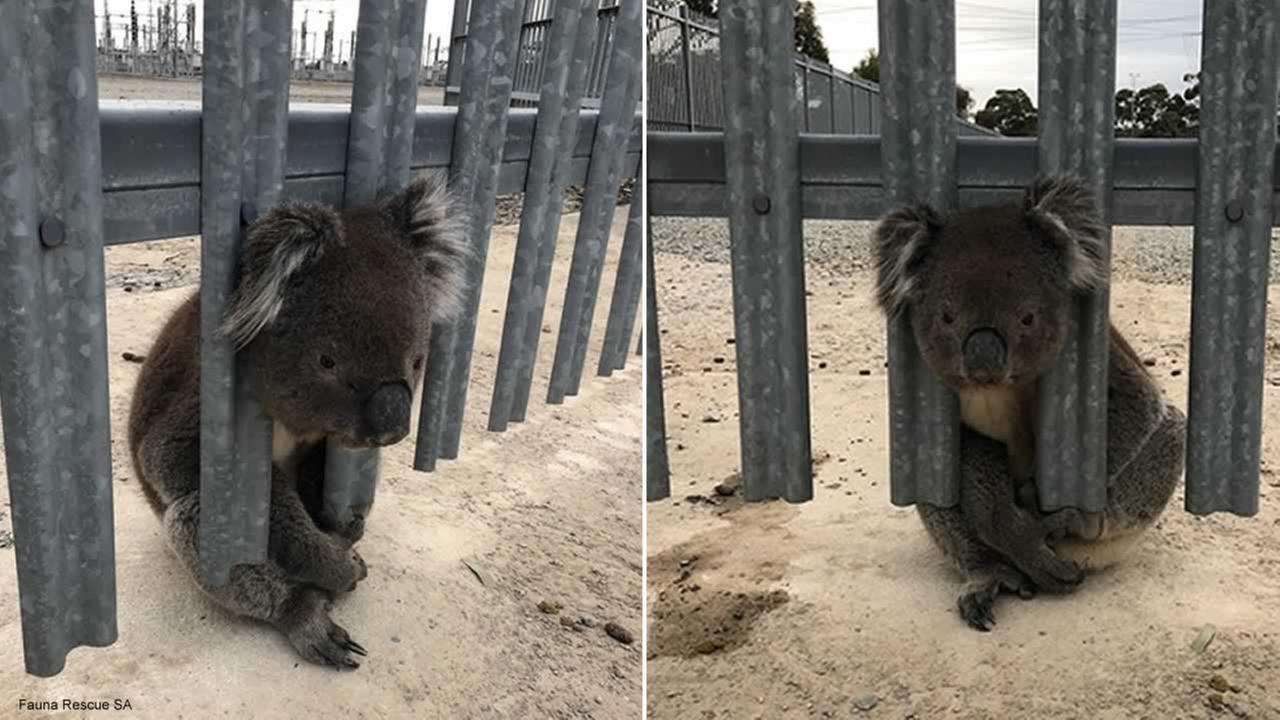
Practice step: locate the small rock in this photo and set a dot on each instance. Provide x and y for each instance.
(1219, 683)
(619, 633)
(717, 360)
(395, 638)
(710, 418)
(1176, 373)
(725, 490)
(550, 607)
(866, 702)
(586, 621)
(1149, 362)
(706, 647)
(566, 621)
(822, 365)
(130, 357)
(6, 539)
(1206, 635)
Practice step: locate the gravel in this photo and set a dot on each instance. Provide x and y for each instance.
(843, 247)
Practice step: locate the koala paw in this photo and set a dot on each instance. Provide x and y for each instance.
(977, 599)
(353, 531)
(361, 569)
(318, 639)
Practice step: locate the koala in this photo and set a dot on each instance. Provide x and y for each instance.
(988, 292)
(333, 311)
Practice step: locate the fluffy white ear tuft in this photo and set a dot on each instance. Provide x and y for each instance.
(428, 215)
(281, 243)
(1064, 208)
(902, 241)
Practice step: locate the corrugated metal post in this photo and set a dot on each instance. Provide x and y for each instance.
(1077, 137)
(657, 470)
(762, 173)
(1234, 214)
(479, 136)
(613, 131)
(918, 151)
(384, 97)
(688, 65)
(457, 50)
(604, 177)
(245, 125)
(53, 334)
(584, 61)
(543, 197)
(626, 291)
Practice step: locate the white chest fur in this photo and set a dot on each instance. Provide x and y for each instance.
(1004, 413)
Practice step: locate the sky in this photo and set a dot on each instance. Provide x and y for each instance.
(1158, 41)
(439, 18)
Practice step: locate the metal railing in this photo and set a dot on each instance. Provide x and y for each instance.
(534, 49)
(1223, 183)
(685, 92)
(74, 178)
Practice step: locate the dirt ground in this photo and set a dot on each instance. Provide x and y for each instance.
(546, 511)
(132, 87)
(841, 607)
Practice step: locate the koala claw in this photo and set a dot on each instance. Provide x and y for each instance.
(976, 608)
(318, 639)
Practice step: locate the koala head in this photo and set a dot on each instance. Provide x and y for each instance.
(989, 290)
(334, 310)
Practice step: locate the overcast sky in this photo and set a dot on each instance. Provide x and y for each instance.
(439, 18)
(1159, 41)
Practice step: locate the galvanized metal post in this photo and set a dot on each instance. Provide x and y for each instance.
(457, 50)
(1234, 214)
(657, 469)
(53, 335)
(1077, 133)
(479, 135)
(244, 124)
(762, 173)
(384, 97)
(613, 130)
(918, 153)
(584, 61)
(543, 195)
(688, 65)
(626, 291)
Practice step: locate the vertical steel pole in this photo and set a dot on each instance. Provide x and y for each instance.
(918, 152)
(657, 469)
(609, 149)
(1234, 213)
(584, 61)
(53, 335)
(1077, 133)
(479, 136)
(626, 291)
(379, 145)
(688, 65)
(762, 170)
(457, 49)
(543, 197)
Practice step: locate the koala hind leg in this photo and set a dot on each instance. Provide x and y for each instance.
(265, 592)
(985, 574)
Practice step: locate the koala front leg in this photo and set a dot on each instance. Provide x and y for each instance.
(988, 501)
(985, 574)
(302, 549)
(266, 593)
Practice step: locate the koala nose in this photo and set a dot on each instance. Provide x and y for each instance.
(984, 355)
(386, 413)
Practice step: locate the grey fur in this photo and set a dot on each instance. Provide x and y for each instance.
(333, 308)
(1013, 270)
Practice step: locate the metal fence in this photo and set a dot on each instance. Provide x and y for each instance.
(685, 91)
(74, 178)
(534, 50)
(765, 177)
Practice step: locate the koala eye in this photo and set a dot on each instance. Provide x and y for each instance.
(1028, 319)
(327, 362)
(947, 318)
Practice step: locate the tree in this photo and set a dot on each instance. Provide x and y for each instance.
(869, 69)
(1009, 112)
(808, 34)
(704, 7)
(1155, 112)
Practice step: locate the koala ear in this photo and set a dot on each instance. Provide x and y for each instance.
(902, 241)
(427, 216)
(281, 243)
(1065, 209)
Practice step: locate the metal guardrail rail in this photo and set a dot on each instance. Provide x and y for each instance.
(1224, 184)
(76, 176)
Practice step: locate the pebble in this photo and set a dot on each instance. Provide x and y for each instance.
(619, 633)
(586, 621)
(1219, 683)
(550, 607)
(866, 702)
(566, 621)
(725, 490)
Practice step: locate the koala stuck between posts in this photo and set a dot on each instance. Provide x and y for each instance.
(988, 292)
(334, 310)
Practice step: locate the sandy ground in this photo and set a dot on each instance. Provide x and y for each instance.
(132, 87)
(546, 511)
(841, 607)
